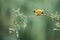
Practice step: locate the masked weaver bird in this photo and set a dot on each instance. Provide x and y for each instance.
(38, 12)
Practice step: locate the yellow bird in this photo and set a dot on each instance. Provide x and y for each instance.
(38, 12)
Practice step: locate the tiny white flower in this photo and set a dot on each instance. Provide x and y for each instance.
(56, 29)
(17, 35)
(24, 25)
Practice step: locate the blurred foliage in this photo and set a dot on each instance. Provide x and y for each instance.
(38, 27)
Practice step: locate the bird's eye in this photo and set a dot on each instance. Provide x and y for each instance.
(42, 12)
(34, 11)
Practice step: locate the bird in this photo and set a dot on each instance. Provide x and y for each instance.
(38, 12)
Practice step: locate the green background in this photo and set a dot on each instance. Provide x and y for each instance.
(38, 28)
